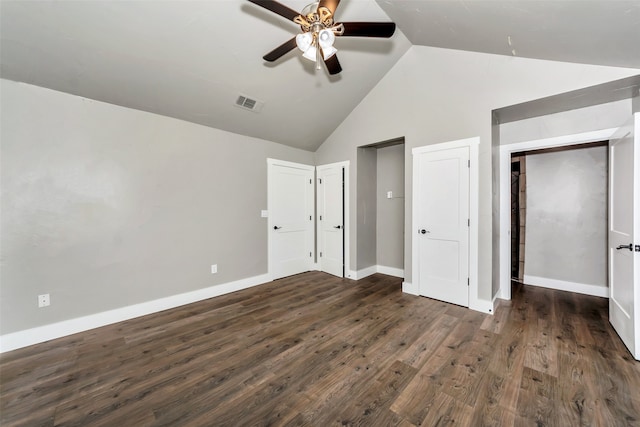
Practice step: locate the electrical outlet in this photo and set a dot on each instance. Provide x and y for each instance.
(214, 268)
(43, 300)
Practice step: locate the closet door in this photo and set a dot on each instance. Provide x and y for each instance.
(290, 206)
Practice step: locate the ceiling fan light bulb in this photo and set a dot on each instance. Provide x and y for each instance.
(329, 52)
(311, 53)
(304, 41)
(326, 38)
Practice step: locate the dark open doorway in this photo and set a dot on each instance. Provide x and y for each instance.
(518, 216)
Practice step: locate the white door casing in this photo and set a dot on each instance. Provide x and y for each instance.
(291, 193)
(331, 232)
(505, 191)
(624, 234)
(444, 243)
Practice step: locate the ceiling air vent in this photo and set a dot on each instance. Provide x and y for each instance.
(250, 104)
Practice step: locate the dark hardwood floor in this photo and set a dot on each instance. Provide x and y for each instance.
(316, 350)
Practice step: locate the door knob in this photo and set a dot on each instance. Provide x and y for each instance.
(337, 226)
(629, 246)
(423, 231)
(275, 227)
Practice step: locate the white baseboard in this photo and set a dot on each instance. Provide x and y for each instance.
(390, 271)
(484, 306)
(408, 288)
(44, 333)
(365, 272)
(561, 285)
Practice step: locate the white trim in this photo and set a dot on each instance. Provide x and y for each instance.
(44, 333)
(368, 271)
(505, 191)
(502, 292)
(408, 288)
(474, 213)
(563, 285)
(271, 161)
(390, 271)
(483, 306)
(474, 187)
(345, 165)
(460, 143)
(636, 230)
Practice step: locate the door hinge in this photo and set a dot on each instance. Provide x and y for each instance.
(468, 281)
(310, 254)
(309, 217)
(468, 163)
(320, 217)
(468, 222)
(320, 254)
(320, 179)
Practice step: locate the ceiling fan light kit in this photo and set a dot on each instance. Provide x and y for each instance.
(319, 32)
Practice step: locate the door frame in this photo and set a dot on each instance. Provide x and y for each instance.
(275, 162)
(345, 222)
(473, 145)
(505, 192)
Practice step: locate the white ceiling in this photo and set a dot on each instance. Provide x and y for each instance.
(191, 59)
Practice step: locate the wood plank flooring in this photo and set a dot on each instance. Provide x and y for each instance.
(315, 350)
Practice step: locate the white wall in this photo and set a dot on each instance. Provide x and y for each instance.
(566, 224)
(436, 95)
(104, 206)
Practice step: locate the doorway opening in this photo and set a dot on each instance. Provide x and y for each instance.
(507, 152)
(559, 209)
(380, 209)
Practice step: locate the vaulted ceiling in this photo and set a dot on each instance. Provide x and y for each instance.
(192, 59)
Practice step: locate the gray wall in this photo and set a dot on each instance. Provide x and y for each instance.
(366, 208)
(390, 212)
(437, 95)
(597, 117)
(104, 207)
(566, 231)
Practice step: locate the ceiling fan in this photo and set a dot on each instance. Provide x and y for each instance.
(319, 31)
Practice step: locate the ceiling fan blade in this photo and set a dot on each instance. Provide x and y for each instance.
(369, 29)
(278, 8)
(333, 65)
(332, 5)
(281, 50)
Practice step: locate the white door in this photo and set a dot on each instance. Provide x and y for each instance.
(442, 197)
(624, 234)
(290, 208)
(331, 218)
